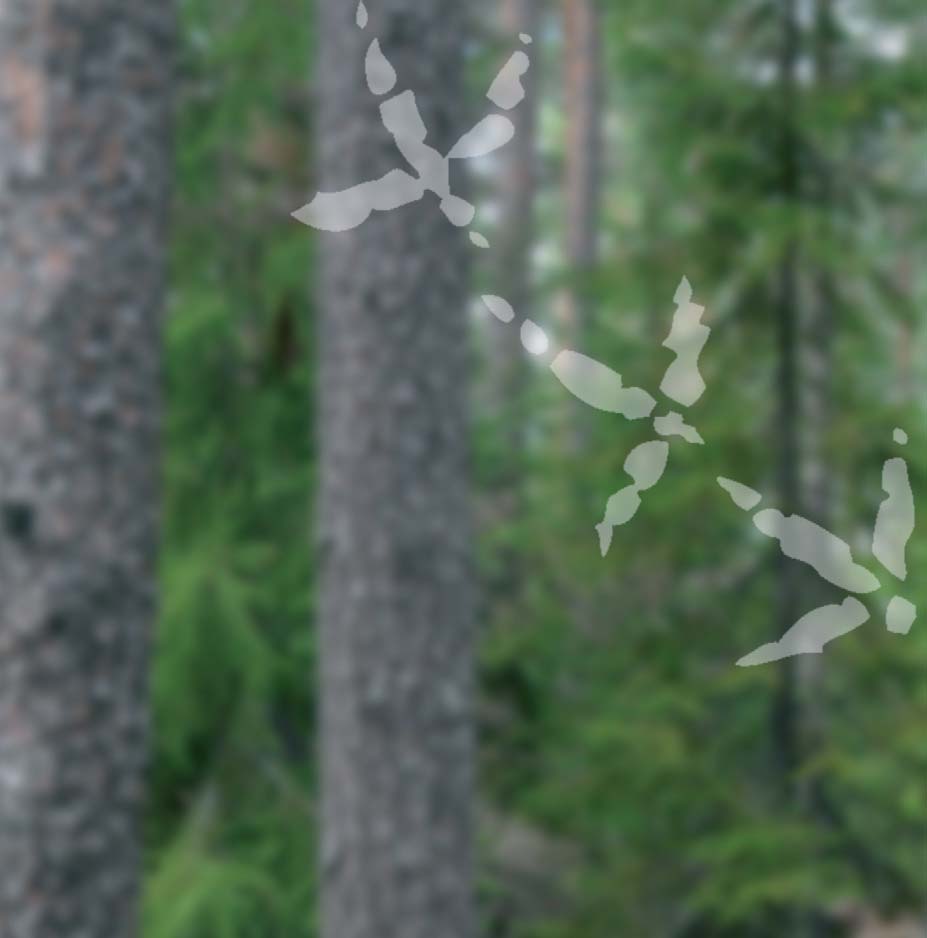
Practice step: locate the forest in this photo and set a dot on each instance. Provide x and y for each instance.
(437, 442)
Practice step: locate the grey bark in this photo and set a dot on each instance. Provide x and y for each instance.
(396, 601)
(84, 166)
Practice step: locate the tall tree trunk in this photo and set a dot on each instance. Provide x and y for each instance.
(395, 617)
(512, 279)
(786, 720)
(817, 407)
(84, 169)
(582, 25)
(802, 417)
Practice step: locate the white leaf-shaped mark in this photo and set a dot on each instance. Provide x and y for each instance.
(673, 425)
(342, 211)
(598, 386)
(507, 90)
(900, 615)
(499, 307)
(621, 508)
(811, 633)
(647, 463)
(742, 495)
(486, 137)
(534, 338)
(895, 520)
(808, 542)
(683, 382)
(381, 76)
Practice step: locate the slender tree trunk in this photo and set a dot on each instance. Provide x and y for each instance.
(396, 621)
(84, 169)
(582, 25)
(817, 404)
(786, 719)
(802, 425)
(512, 279)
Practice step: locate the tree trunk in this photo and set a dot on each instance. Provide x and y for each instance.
(582, 25)
(802, 421)
(511, 273)
(786, 719)
(817, 407)
(395, 617)
(84, 169)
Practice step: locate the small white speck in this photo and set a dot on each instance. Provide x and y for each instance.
(478, 240)
(534, 338)
(499, 307)
(362, 16)
(901, 438)
(525, 38)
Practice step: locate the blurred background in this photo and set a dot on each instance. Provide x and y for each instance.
(631, 778)
(632, 781)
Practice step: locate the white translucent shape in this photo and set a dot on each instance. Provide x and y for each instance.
(900, 615)
(381, 76)
(507, 90)
(673, 425)
(478, 240)
(486, 137)
(811, 633)
(647, 463)
(534, 338)
(342, 211)
(362, 16)
(895, 520)
(600, 387)
(809, 543)
(499, 307)
(742, 495)
(459, 212)
(402, 118)
(525, 38)
(682, 382)
(621, 508)
(900, 437)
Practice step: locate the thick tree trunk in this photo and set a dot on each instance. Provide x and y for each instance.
(84, 167)
(396, 620)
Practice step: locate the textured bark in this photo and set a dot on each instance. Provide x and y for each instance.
(83, 191)
(395, 617)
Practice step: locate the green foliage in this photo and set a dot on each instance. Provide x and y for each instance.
(613, 721)
(231, 818)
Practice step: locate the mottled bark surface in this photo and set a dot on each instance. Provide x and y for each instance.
(396, 622)
(83, 182)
